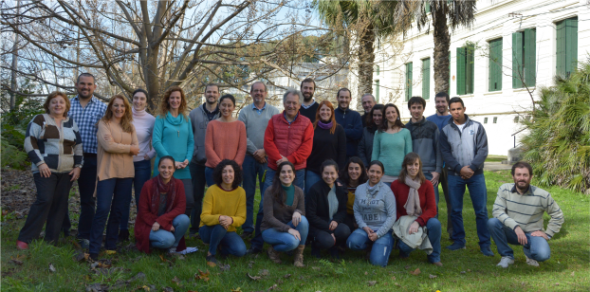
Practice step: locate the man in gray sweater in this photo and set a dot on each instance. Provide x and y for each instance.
(255, 116)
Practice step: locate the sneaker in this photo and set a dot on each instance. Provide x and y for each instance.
(84, 243)
(505, 262)
(487, 251)
(253, 250)
(21, 245)
(211, 261)
(531, 262)
(456, 245)
(439, 264)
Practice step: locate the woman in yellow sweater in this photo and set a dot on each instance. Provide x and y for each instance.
(224, 210)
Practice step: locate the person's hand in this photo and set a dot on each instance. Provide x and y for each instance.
(260, 154)
(177, 165)
(295, 233)
(225, 221)
(540, 233)
(373, 236)
(134, 150)
(435, 177)
(521, 236)
(185, 163)
(283, 159)
(44, 170)
(333, 237)
(156, 226)
(296, 218)
(368, 230)
(75, 173)
(146, 157)
(172, 229)
(333, 225)
(413, 228)
(466, 172)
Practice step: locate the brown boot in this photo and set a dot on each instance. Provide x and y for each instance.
(299, 256)
(274, 255)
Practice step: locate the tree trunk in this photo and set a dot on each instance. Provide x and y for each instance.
(14, 65)
(366, 60)
(442, 41)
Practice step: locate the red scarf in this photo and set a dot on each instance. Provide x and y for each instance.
(159, 188)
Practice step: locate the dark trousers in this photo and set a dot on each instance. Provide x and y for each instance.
(143, 173)
(87, 184)
(51, 206)
(112, 196)
(445, 186)
(198, 180)
(324, 240)
(251, 169)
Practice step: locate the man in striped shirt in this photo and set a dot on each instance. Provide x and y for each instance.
(518, 218)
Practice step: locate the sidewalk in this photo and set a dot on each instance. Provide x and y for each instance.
(496, 166)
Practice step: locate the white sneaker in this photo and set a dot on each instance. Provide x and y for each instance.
(531, 262)
(184, 252)
(505, 262)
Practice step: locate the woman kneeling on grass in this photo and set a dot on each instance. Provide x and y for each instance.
(284, 225)
(416, 207)
(224, 210)
(353, 175)
(161, 222)
(374, 210)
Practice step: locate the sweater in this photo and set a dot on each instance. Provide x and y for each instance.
(353, 127)
(219, 202)
(375, 208)
(277, 216)
(425, 136)
(200, 119)
(225, 141)
(526, 210)
(327, 146)
(60, 148)
(318, 208)
(148, 216)
(114, 157)
(174, 137)
(310, 112)
(365, 150)
(256, 122)
(391, 149)
(293, 140)
(468, 147)
(144, 127)
(440, 121)
(427, 201)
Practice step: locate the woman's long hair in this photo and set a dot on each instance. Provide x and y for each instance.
(276, 190)
(333, 119)
(409, 159)
(370, 123)
(218, 173)
(165, 105)
(345, 177)
(385, 124)
(126, 120)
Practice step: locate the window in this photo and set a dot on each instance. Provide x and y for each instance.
(427, 7)
(377, 70)
(485, 120)
(376, 90)
(495, 120)
(408, 81)
(495, 67)
(524, 58)
(426, 78)
(567, 46)
(465, 66)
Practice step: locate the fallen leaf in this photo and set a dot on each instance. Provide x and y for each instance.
(52, 268)
(255, 278)
(168, 289)
(273, 287)
(371, 283)
(287, 276)
(111, 252)
(468, 270)
(407, 267)
(393, 278)
(366, 273)
(263, 273)
(236, 290)
(181, 257)
(81, 256)
(16, 262)
(176, 281)
(416, 272)
(279, 281)
(250, 264)
(573, 274)
(224, 268)
(202, 276)
(163, 259)
(556, 284)
(145, 288)
(396, 284)
(432, 276)
(315, 268)
(462, 272)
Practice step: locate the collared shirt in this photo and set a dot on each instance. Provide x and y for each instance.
(213, 114)
(290, 122)
(259, 111)
(87, 119)
(308, 106)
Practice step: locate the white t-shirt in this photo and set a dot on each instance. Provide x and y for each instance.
(461, 127)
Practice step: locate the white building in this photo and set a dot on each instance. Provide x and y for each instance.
(543, 36)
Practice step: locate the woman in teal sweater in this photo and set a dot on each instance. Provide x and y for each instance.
(391, 143)
(173, 136)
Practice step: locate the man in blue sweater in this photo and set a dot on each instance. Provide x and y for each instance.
(350, 120)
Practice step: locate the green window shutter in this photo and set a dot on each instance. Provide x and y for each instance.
(469, 68)
(517, 60)
(495, 65)
(408, 81)
(377, 90)
(427, 8)
(560, 56)
(461, 71)
(530, 55)
(571, 45)
(377, 69)
(426, 78)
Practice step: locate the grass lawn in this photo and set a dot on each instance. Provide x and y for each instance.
(465, 270)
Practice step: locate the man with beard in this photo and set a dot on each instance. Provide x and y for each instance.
(309, 107)
(200, 118)
(255, 117)
(86, 110)
(350, 120)
(368, 101)
(518, 218)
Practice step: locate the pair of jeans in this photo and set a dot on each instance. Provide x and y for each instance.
(380, 249)
(209, 176)
(165, 239)
(311, 178)
(112, 195)
(428, 176)
(251, 169)
(536, 248)
(479, 198)
(143, 172)
(51, 206)
(230, 242)
(445, 187)
(434, 230)
(324, 240)
(283, 241)
(257, 241)
(86, 185)
(188, 193)
(198, 179)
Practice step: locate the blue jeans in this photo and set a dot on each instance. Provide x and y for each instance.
(86, 184)
(251, 169)
(283, 241)
(165, 239)
(434, 233)
(209, 176)
(428, 176)
(380, 251)
(536, 248)
(311, 178)
(230, 242)
(257, 241)
(112, 195)
(143, 172)
(479, 198)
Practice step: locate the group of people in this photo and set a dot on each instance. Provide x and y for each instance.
(328, 177)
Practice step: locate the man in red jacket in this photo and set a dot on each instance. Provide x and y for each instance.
(288, 136)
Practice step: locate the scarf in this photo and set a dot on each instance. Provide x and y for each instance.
(372, 191)
(325, 126)
(413, 203)
(161, 187)
(179, 120)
